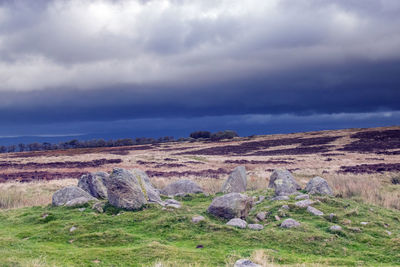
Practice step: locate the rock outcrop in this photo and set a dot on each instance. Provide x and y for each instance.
(318, 185)
(290, 223)
(181, 187)
(236, 182)
(95, 184)
(69, 193)
(283, 183)
(232, 205)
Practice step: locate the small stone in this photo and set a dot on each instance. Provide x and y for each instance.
(261, 198)
(280, 198)
(245, 263)
(255, 226)
(332, 216)
(73, 228)
(290, 223)
(285, 207)
(197, 219)
(303, 196)
(335, 228)
(237, 222)
(82, 209)
(355, 229)
(175, 206)
(172, 201)
(277, 218)
(44, 216)
(346, 222)
(363, 223)
(304, 203)
(388, 232)
(314, 211)
(261, 215)
(99, 207)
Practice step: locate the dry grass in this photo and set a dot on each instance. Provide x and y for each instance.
(17, 195)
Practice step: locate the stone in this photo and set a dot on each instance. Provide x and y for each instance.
(255, 226)
(125, 191)
(197, 219)
(290, 223)
(237, 222)
(245, 263)
(77, 202)
(280, 198)
(73, 228)
(236, 182)
(283, 183)
(261, 215)
(99, 207)
(95, 184)
(181, 187)
(172, 201)
(363, 223)
(302, 196)
(304, 203)
(62, 196)
(319, 186)
(388, 232)
(285, 207)
(151, 193)
(81, 209)
(277, 218)
(314, 211)
(175, 206)
(232, 205)
(335, 228)
(332, 217)
(260, 199)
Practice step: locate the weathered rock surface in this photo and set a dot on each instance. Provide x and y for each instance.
(314, 211)
(172, 203)
(125, 191)
(304, 203)
(237, 181)
(99, 207)
(237, 222)
(197, 219)
(181, 187)
(245, 263)
(318, 185)
(261, 215)
(302, 196)
(290, 223)
(95, 184)
(280, 198)
(62, 196)
(151, 193)
(335, 228)
(283, 182)
(77, 202)
(232, 205)
(255, 226)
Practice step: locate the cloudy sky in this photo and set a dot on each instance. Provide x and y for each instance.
(116, 68)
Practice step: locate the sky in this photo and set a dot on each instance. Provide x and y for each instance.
(119, 68)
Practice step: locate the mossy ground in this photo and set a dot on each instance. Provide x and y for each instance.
(152, 235)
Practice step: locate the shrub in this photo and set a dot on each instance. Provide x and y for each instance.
(227, 134)
(200, 134)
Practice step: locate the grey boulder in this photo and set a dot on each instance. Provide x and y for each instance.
(151, 193)
(197, 219)
(319, 186)
(77, 202)
(283, 182)
(66, 194)
(335, 228)
(290, 223)
(95, 184)
(125, 191)
(236, 182)
(181, 187)
(304, 203)
(232, 205)
(255, 226)
(314, 211)
(237, 222)
(245, 263)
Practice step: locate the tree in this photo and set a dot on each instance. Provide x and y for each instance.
(200, 134)
(227, 134)
(21, 147)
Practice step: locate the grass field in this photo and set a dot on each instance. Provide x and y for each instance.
(41, 236)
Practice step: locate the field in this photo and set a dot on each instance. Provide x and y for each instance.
(361, 165)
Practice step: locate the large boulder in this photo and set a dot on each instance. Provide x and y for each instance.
(181, 187)
(69, 193)
(125, 191)
(95, 184)
(318, 185)
(237, 181)
(151, 193)
(232, 205)
(283, 182)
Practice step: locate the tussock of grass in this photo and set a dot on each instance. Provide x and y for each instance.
(156, 237)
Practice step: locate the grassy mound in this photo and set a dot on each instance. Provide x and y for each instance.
(41, 236)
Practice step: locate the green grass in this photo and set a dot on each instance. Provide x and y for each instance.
(153, 235)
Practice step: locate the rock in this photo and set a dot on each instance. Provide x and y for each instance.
(237, 181)
(237, 222)
(280, 198)
(363, 223)
(125, 191)
(95, 184)
(283, 183)
(260, 199)
(181, 187)
(81, 209)
(332, 217)
(261, 215)
(73, 228)
(335, 228)
(232, 205)
(388, 232)
(172, 203)
(346, 221)
(285, 207)
(99, 207)
(151, 193)
(303, 196)
(290, 223)
(277, 218)
(245, 263)
(304, 203)
(175, 206)
(314, 211)
(354, 229)
(197, 219)
(77, 202)
(318, 185)
(255, 226)
(62, 196)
